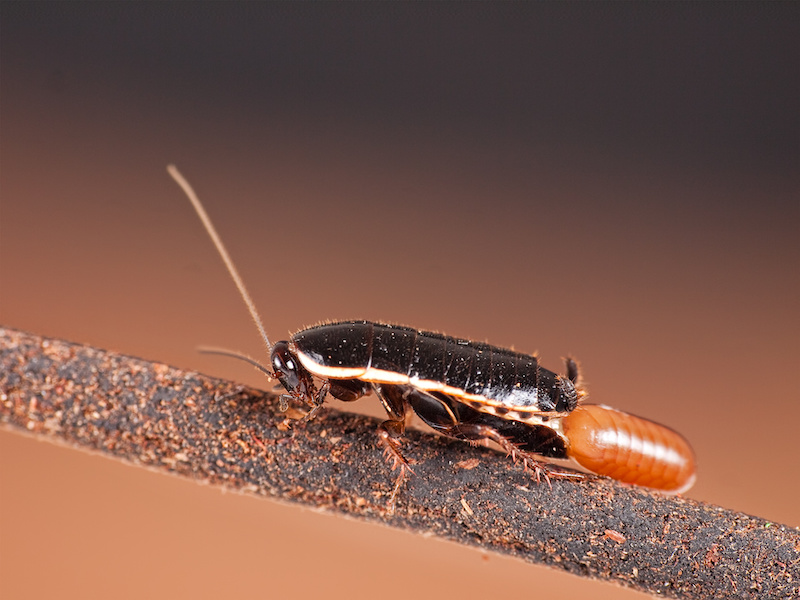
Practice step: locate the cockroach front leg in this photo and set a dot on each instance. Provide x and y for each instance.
(315, 400)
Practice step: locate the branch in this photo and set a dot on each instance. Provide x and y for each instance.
(225, 434)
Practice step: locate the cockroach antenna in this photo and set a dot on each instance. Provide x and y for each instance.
(212, 232)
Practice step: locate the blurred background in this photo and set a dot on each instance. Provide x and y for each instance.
(616, 182)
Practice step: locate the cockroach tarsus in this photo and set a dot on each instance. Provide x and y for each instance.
(465, 390)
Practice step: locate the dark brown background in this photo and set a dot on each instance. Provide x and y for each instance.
(617, 182)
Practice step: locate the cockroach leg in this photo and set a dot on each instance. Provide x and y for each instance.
(317, 400)
(474, 432)
(390, 432)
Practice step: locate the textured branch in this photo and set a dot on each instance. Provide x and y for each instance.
(218, 432)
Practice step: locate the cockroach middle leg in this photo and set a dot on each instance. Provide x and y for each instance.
(390, 432)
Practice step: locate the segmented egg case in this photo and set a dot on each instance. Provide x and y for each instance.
(629, 449)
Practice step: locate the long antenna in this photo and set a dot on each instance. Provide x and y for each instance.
(201, 212)
(232, 354)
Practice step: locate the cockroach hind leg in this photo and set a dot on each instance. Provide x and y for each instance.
(546, 471)
(541, 470)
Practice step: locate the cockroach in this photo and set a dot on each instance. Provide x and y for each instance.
(465, 390)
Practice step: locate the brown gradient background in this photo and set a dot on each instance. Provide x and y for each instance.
(616, 182)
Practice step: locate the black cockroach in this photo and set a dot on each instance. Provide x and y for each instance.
(465, 390)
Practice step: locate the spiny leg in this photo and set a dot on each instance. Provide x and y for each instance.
(316, 400)
(473, 432)
(390, 432)
(449, 417)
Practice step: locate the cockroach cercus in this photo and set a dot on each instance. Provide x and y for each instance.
(465, 390)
